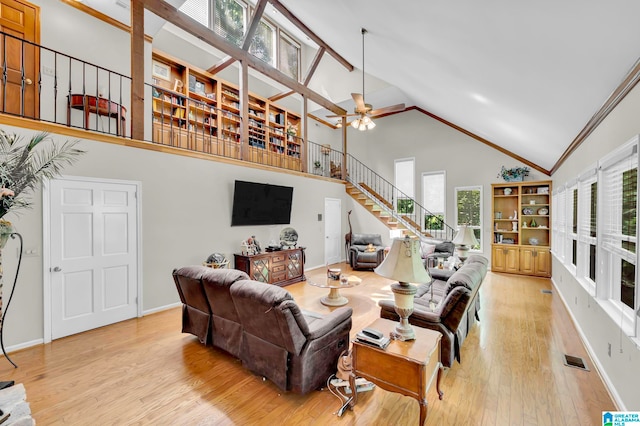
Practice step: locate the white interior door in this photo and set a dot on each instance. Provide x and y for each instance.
(332, 230)
(93, 254)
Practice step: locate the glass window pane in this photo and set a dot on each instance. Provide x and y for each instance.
(629, 197)
(592, 262)
(263, 43)
(229, 20)
(574, 225)
(468, 204)
(594, 205)
(289, 58)
(628, 284)
(196, 9)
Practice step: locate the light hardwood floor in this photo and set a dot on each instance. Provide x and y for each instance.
(145, 372)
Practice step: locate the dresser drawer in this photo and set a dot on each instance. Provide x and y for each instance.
(278, 258)
(278, 268)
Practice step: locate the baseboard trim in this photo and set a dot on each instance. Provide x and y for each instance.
(24, 345)
(598, 366)
(162, 308)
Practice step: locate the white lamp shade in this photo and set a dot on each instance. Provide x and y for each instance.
(404, 263)
(465, 237)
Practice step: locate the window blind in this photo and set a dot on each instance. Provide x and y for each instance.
(197, 10)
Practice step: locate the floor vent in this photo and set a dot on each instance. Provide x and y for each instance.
(546, 291)
(576, 362)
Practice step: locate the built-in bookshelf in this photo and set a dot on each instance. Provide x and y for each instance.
(195, 110)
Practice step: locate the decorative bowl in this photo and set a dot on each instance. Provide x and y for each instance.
(533, 241)
(527, 210)
(543, 211)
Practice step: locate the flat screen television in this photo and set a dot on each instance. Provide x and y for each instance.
(261, 204)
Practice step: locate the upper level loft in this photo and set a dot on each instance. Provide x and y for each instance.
(184, 107)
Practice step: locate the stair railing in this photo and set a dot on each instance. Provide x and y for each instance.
(402, 207)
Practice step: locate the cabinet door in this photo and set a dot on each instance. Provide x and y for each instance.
(512, 260)
(294, 265)
(527, 260)
(543, 262)
(260, 269)
(498, 259)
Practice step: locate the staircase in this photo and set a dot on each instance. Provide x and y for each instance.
(378, 196)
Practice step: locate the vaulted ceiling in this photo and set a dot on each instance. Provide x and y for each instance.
(527, 77)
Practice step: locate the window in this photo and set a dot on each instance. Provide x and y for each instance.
(197, 10)
(229, 20)
(572, 225)
(558, 228)
(618, 177)
(263, 45)
(469, 211)
(289, 58)
(433, 200)
(404, 172)
(587, 232)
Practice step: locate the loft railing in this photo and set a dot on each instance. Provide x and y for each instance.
(401, 206)
(46, 85)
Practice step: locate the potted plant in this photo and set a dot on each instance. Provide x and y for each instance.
(23, 166)
(515, 174)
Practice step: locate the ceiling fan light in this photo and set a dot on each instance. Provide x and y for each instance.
(362, 127)
(339, 124)
(355, 123)
(371, 125)
(366, 120)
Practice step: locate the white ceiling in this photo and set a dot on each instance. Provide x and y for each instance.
(525, 76)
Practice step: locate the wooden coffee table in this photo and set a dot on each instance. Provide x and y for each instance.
(404, 367)
(334, 298)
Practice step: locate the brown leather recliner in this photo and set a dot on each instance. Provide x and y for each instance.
(262, 326)
(366, 251)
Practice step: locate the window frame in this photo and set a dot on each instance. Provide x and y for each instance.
(478, 188)
(609, 275)
(571, 225)
(585, 240)
(283, 35)
(274, 42)
(406, 194)
(442, 173)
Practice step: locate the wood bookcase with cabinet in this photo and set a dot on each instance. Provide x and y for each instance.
(521, 213)
(193, 109)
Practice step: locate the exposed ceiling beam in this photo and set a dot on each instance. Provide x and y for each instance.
(628, 83)
(255, 20)
(307, 79)
(294, 20)
(314, 65)
(169, 13)
(222, 64)
(281, 95)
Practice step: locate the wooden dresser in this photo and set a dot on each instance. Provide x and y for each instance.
(282, 267)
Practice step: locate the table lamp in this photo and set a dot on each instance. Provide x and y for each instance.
(464, 240)
(404, 264)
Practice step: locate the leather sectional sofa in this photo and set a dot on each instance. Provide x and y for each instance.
(457, 302)
(262, 326)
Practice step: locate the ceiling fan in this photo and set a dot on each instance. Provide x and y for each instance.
(363, 110)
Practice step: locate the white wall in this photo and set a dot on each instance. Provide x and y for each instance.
(436, 147)
(622, 368)
(186, 215)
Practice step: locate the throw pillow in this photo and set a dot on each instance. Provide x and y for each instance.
(427, 249)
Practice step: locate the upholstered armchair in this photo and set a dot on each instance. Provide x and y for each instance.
(366, 251)
(442, 250)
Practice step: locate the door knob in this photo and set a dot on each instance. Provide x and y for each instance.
(28, 81)
(56, 269)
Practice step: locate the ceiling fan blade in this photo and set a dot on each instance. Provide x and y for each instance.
(387, 110)
(359, 100)
(343, 115)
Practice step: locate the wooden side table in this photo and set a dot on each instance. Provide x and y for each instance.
(100, 106)
(404, 367)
